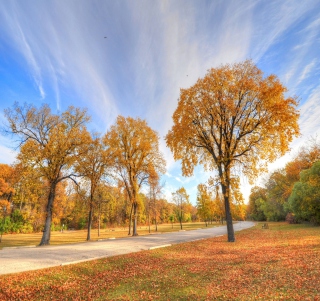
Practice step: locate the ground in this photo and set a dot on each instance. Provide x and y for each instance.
(279, 263)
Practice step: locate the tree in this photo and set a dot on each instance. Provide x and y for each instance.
(276, 187)
(50, 143)
(136, 156)
(155, 190)
(181, 199)
(257, 197)
(304, 159)
(204, 202)
(232, 121)
(92, 166)
(103, 196)
(304, 200)
(29, 196)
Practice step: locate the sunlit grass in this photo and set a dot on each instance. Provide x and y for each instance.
(67, 237)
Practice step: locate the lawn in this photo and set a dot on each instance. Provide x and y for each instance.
(58, 238)
(279, 263)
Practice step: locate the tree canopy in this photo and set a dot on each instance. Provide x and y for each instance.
(233, 120)
(50, 143)
(136, 156)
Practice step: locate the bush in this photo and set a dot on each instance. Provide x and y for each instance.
(290, 218)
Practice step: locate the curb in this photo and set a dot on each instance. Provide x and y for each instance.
(158, 247)
(82, 260)
(20, 247)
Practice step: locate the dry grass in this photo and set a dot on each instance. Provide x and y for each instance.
(66, 237)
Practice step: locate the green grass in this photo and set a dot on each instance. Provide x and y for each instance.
(67, 237)
(279, 263)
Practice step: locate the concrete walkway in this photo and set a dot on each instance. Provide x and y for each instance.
(14, 260)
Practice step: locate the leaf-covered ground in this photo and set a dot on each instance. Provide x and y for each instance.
(280, 263)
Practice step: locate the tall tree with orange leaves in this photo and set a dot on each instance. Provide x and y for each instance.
(135, 152)
(233, 120)
(92, 166)
(50, 143)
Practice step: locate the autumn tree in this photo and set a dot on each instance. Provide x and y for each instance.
(92, 166)
(136, 156)
(155, 191)
(104, 196)
(181, 199)
(232, 121)
(307, 155)
(50, 143)
(6, 182)
(204, 202)
(276, 187)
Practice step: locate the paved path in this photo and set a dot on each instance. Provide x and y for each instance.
(14, 260)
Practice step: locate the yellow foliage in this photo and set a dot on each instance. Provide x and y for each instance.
(233, 120)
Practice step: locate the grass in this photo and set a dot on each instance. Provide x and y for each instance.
(66, 237)
(279, 263)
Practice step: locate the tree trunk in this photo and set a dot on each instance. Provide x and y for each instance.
(149, 217)
(226, 193)
(45, 240)
(89, 222)
(99, 224)
(130, 219)
(135, 217)
(156, 224)
(99, 218)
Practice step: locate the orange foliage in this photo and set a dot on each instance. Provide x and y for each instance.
(6, 181)
(136, 156)
(51, 144)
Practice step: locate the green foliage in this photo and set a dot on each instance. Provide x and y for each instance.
(82, 223)
(257, 200)
(305, 198)
(5, 224)
(15, 224)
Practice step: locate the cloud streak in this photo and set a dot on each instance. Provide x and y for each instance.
(132, 58)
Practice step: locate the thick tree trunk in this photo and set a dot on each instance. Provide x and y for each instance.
(226, 193)
(135, 217)
(45, 240)
(90, 221)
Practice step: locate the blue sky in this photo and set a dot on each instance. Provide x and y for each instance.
(56, 52)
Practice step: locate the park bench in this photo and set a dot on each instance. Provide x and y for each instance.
(265, 226)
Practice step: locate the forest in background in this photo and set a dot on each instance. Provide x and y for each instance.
(291, 193)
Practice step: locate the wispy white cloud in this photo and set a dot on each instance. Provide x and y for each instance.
(152, 49)
(306, 71)
(309, 114)
(7, 152)
(57, 41)
(23, 45)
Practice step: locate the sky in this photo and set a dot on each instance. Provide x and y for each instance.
(131, 58)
